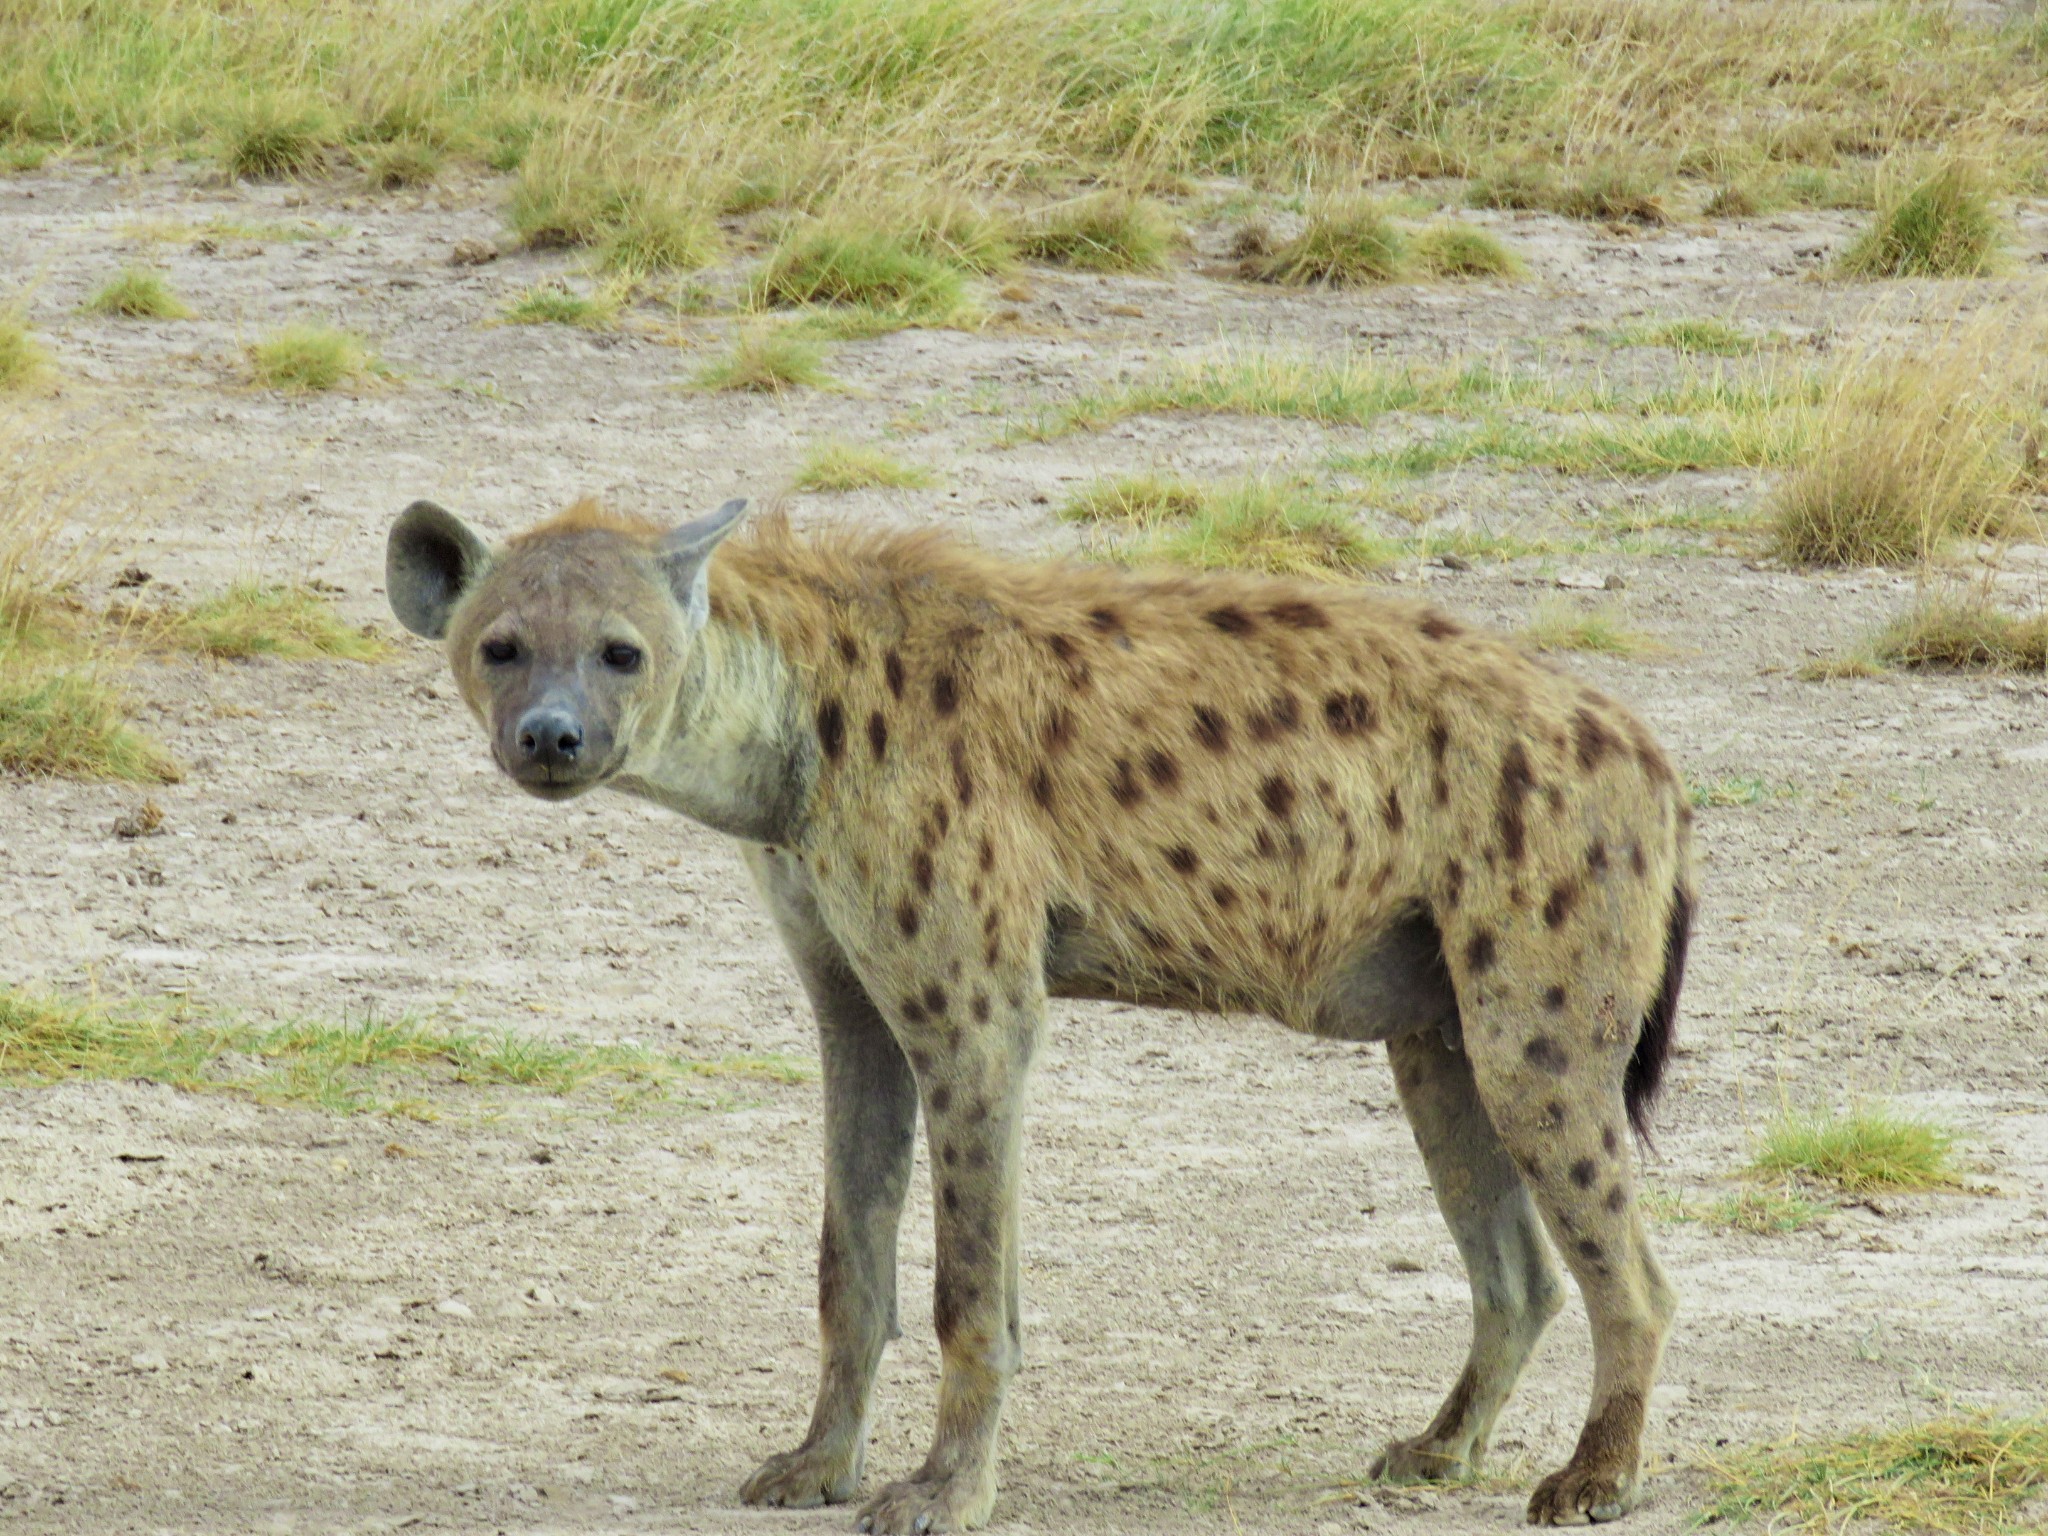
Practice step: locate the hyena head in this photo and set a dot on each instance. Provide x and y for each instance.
(570, 643)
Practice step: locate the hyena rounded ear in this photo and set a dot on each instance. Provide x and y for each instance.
(430, 560)
(686, 556)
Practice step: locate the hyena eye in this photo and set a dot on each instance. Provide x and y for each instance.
(499, 652)
(621, 657)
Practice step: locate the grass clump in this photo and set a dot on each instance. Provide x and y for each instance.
(1348, 242)
(1619, 190)
(1453, 248)
(302, 359)
(1970, 1475)
(1858, 1151)
(137, 293)
(21, 360)
(555, 304)
(1705, 335)
(1939, 225)
(868, 270)
(1251, 525)
(1103, 232)
(402, 162)
(767, 360)
(639, 216)
(271, 137)
(1966, 634)
(345, 1068)
(290, 623)
(850, 467)
(1135, 500)
(1559, 624)
(71, 724)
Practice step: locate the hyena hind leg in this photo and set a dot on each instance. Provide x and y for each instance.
(1515, 1285)
(1552, 1084)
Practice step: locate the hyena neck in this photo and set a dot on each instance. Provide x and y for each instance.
(736, 756)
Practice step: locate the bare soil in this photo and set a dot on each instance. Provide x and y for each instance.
(538, 1316)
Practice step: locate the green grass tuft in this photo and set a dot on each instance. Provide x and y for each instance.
(290, 623)
(1348, 242)
(874, 272)
(1103, 232)
(270, 137)
(767, 360)
(1135, 500)
(554, 304)
(850, 467)
(1714, 338)
(137, 293)
(1859, 1151)
(1940, 225)
(1245, 526)
(373, 1066)
(70, 724)
(21, 360)
(639, 218)
(402, 162)
(305, 358)
(1452, 248)
(1560, 624)
(1963, 1476)
(1617, 191)
(1963, 634)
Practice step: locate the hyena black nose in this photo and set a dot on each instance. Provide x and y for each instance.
(550, 737)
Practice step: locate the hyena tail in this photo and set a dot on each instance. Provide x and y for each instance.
(1660, 1025)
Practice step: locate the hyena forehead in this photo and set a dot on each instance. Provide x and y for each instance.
(572, 585)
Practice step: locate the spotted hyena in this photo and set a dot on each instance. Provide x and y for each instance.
(967, 784)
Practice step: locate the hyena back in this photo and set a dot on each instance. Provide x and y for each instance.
(967, 784)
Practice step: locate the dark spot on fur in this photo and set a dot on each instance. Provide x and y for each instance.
(1439, 741)
(831, 729)
(1231, 619)
(1636, 863)
(912, 1010)
(1584, 1172)
(1277, 795)
(1163, 768)
(1105, 620)
(963, 781)
(935, 999)
(1590, 1250)
(1617, 1199)
(1059, 731)
(1454, 884)
(985, 856)
(1553, 999)
(1211, 729)
(921, 870)
(1297, 614)
(848, 651)
(1224, 897)
(1123, 785)
(1479, 952)
(1554, 1114)
(892, 673)
(949, 1196)
(1596, 858)
(1610, 1141)
(1262, 844)
(878, 735)
(1041, 786)
(1591, 738)
(1437, 627)
(979, 1007)
(1546, 1053)
(945, 693)
(907, 918)
(1391, 814)
(1183, 859)
(1516, 782)
(1350, 714)
(1276, 719)
(991, 951)
(1559, 907)
(942, 1100)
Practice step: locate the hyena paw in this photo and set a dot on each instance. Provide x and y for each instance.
(1422, 1460)
(1582, 1496)
(915, 1506)
(803, 1478)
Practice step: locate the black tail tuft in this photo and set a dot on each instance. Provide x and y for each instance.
(1660, 1025)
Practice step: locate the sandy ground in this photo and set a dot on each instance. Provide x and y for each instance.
(536, 1316)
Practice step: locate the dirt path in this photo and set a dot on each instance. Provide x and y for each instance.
(215, 1316)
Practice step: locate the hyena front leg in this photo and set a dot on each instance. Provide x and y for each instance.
(971, 1045)
(870, 1130)
(1515, 1287)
